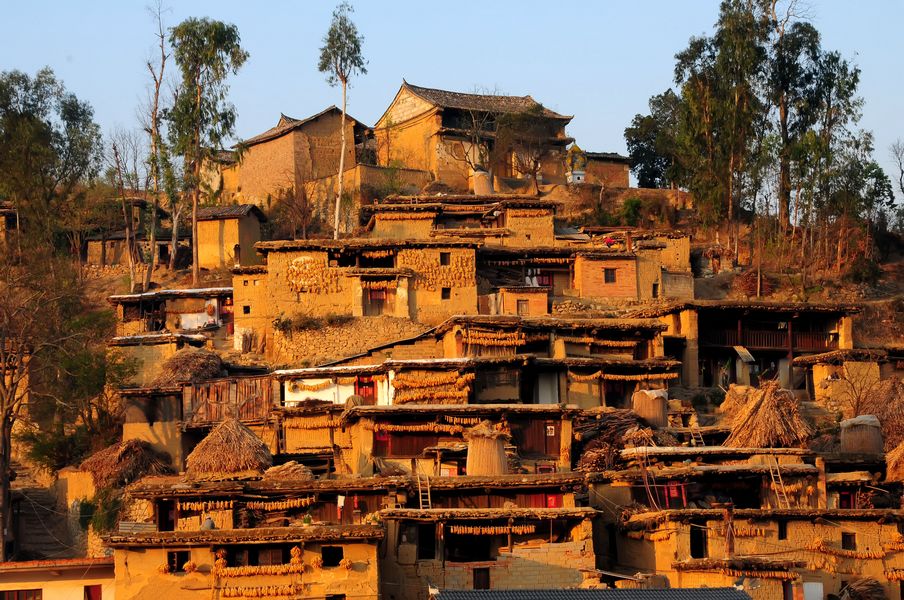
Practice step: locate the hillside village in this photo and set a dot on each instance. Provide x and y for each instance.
(493, 362)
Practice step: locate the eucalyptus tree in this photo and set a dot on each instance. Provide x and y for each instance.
(341, 58)
(206, 53)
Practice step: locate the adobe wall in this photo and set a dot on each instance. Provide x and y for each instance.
(538, 564)
(405, 134)
(458, 277)
(64, 584)
(836, 387)
(148, 359)
(265, 169)
(216, 243)
(529, 227)
(536, 302)
(589, 278)
(609, 174)
(403, 226)
(138, 578)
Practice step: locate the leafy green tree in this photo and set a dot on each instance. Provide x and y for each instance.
(49, 146)
(651, 142)
(341, 59)
(201, 118)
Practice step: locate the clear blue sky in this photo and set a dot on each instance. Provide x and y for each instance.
(599, 61)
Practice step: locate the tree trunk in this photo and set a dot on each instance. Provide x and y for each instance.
(784, 180)
(127, 218)
(6, 430)
(341, 165)
(195, 264)
(174, 238)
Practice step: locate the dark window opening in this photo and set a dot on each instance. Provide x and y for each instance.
(655, 290)
(469, 548)
(482, 578)
(545, 280)
(176, 560)
(445, 258)
(783, 530)
(848, 541)
(787, 590)
(335, 597)
(246, 310)
(609, 275)
(426, 541)
(845, 500)
(21, 595)
(94, 592)
(446, 293)
(699, 544)
(522, 308)
(331, 555)
(166, 515)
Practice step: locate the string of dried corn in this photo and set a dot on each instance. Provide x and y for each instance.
(346, 380)
(232, 572)
(821, 546)
(529, 212)
(492, 529)
(394, 216)
(599, 342)
(783, 575)
(422, 380)
(377, 253)
(386, 284)
(790, 488)
(425, 427)
(205, 506)
(308, 275)
(262, 591)
(461, 420)
(600, 376)
(297, 386)
(432, 395)
(312, 423)
(659, 536)
(528, 261)
(281, 504)
(894, 575)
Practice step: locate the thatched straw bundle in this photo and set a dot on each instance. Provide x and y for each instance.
(735, 399)
(486, 450)
(289, 470)
(125, 462)
(769, 419)
(189, 365)
(605, 433)
(861, 434)
(230, 450)
(894, 464)
(864, 589)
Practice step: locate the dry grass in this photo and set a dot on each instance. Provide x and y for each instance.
(605, 433)
(289, 470)
(864, 589)
(769, 419)
(189, 365)
(886, 401)
(123, 463)
(894, 464)
(229, 450)
(484, 430)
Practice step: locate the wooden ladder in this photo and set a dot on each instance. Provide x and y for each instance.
(777, 484)
(697, 437)
(423, 489)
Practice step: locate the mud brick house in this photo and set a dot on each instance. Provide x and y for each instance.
(838, 379)
(227, 234)
(292, 153)
(57, 579)
(726, 341)
(433, 130)
(109, 248)
(496, 548)
(496, 220)
(422, 280)
(191, 310)
(713, 511)
(148, 350)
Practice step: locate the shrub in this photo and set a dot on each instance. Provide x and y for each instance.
(863, 270)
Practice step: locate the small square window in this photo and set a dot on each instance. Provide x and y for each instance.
(445, 258)
(523, 307)
(244, 282)
(246, 309)
(609, 275)
(176, 560)
(331, 555)
(446, 293)
(848, 541)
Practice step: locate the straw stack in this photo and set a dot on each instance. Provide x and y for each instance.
(486, 450)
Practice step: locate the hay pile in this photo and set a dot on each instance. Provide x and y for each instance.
(289, 470)
(894, 464)
(125, 462)
(229, 451)
(735, 400)
(769, 419)
(605, 433)
(486, 450)
(189, 365)
(864, 589)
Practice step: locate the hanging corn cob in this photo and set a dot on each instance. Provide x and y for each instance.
(281, 504)
(206, 506)
(267, 591)
(314, 423)
(600, 376)
(492, 529)
(424, 427)
(597, 342)
(252, 571)
(298, 386)
(821, 546)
